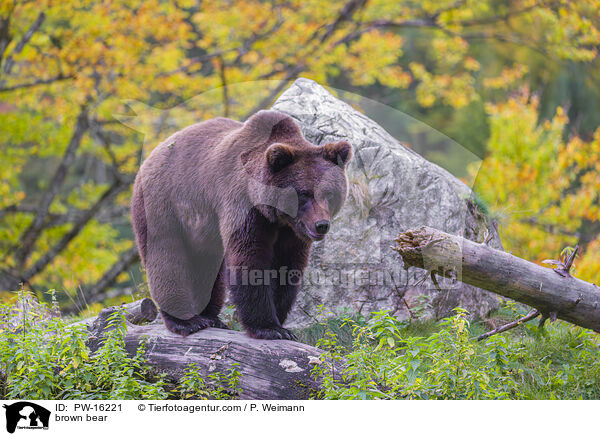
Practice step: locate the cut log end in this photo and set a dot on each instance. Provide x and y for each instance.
(410, 247)
(141, 311)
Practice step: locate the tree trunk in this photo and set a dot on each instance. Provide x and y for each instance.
(552, 292)
(274, 370)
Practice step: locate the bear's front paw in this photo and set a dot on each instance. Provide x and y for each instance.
(272, 333)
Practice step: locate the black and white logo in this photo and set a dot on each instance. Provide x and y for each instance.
(26, 415)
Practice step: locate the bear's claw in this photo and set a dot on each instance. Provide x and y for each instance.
(192, 325)
(273, 333)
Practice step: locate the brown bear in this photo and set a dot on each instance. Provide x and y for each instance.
(228, 204)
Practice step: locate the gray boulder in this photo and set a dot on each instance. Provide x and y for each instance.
(392, 188)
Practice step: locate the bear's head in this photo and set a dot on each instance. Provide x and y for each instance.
(294, 182)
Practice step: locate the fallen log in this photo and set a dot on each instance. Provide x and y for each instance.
(551, 291)
(274, 370)
(137, 312)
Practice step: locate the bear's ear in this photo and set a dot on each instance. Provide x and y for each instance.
(279, 156)
(272, 125)
(339, 153)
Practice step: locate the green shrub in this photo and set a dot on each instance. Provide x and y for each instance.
(388, 361)
(218, 386)
(47, 358)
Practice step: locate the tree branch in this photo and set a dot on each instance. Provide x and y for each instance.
(96, 292)
(5, 37)
(223, 77)
(13, 208)
(511, 325)
(54, 220)
(498, 37)
(388, 24)
(33, 232)
(24, 40)
(345, 14)
(549, 228)
(495, 18)
(266, 102)
(431, 22)
(247, 44)
(37, 82)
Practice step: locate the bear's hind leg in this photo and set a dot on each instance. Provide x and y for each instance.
(209, 317)
(172, 278)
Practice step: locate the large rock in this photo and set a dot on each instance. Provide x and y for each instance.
(354, 270)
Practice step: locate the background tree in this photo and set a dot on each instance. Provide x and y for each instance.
(67, 68)
(543, 188)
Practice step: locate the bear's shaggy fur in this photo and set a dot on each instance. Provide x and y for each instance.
(228, 204)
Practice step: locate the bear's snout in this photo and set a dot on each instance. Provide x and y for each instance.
(322, 227)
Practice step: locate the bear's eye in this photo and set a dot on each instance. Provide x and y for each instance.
(327, 196)
(304, 196)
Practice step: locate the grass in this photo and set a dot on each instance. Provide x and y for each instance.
(390, 359)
